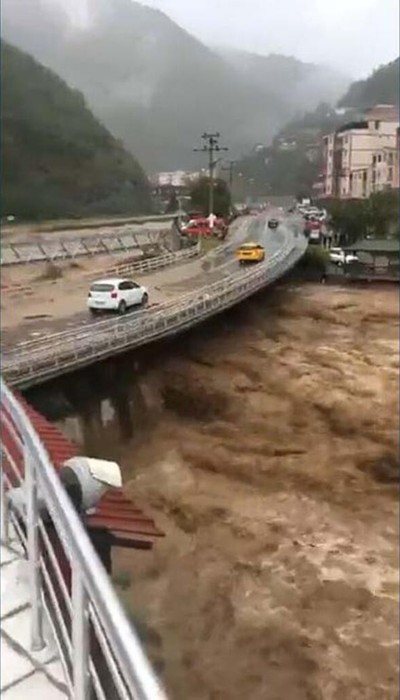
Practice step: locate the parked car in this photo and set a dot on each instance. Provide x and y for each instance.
(116, 294)
(250, 252)
(338, 257)
(198, 227)
(273, 223)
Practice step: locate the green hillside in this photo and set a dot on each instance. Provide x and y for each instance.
(57, 159)
(291, 164)
(382, 87)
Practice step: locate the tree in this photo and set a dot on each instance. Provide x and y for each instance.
(383, 212)
(199, 194)
(357, 218)
(173, 203)
(349, 218)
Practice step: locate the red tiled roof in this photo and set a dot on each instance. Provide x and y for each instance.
(116, 513)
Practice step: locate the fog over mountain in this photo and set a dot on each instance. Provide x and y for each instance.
(157, 87)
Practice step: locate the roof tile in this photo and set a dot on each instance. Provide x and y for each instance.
(116, 513)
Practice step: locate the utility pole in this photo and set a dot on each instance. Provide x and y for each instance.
(211, 146)
(231, 170)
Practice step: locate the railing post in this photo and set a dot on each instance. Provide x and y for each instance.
(32, 528)
(80, 637)
(4, 534)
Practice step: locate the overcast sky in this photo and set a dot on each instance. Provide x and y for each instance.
(352, 35)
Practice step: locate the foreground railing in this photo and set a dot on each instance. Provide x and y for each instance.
(99, 649)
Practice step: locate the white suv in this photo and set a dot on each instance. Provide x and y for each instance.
(115, 294)
(339, 257)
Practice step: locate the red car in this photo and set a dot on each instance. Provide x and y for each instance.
(199, 227)
(311, 225)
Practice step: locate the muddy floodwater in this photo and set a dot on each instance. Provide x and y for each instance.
(268, 454)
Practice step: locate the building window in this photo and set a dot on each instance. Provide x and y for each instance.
(379, 158)
(377, 124)
(390, 174)
(373, 160)
(390, 158)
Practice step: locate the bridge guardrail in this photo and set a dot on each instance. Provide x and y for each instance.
(139, 266)
(88, 617)
(42, 359)
(150, 264)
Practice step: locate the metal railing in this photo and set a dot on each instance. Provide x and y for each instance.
(140, 266)
(123, 238)
(90, 616)
(43, 358)
(157, 262)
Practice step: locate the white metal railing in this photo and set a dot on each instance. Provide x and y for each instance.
(88, 617)
(140, 266)
(43, 358)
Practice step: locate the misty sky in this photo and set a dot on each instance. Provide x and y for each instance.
(352, 35)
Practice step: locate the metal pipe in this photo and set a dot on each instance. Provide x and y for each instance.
(32, 527)
(4, 534)
(80, 636)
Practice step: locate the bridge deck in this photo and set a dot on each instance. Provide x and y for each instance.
(24, 673)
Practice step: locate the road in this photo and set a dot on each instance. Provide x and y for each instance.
(197, 298)
(32, 319)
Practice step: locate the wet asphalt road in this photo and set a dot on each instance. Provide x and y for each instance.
(222, 266)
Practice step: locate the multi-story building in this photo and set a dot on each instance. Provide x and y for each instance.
(382, 171)
(359, 158)
(396, 161)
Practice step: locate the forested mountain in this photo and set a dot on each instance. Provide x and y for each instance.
(382, 87)
(290, 165)
(57, 159)
(157, 87)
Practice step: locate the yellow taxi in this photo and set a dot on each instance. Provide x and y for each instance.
(250, 252)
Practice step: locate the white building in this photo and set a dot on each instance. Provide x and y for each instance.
(174, 178)
(359, 158)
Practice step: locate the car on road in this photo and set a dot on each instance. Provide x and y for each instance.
(273, 223)
(338, 257)
(250, 252)
(115, 294)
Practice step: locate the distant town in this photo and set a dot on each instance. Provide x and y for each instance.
(359, 158)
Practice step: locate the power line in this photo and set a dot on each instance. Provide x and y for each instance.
(211, 146)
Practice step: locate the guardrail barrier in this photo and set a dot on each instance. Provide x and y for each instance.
(123, 238)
